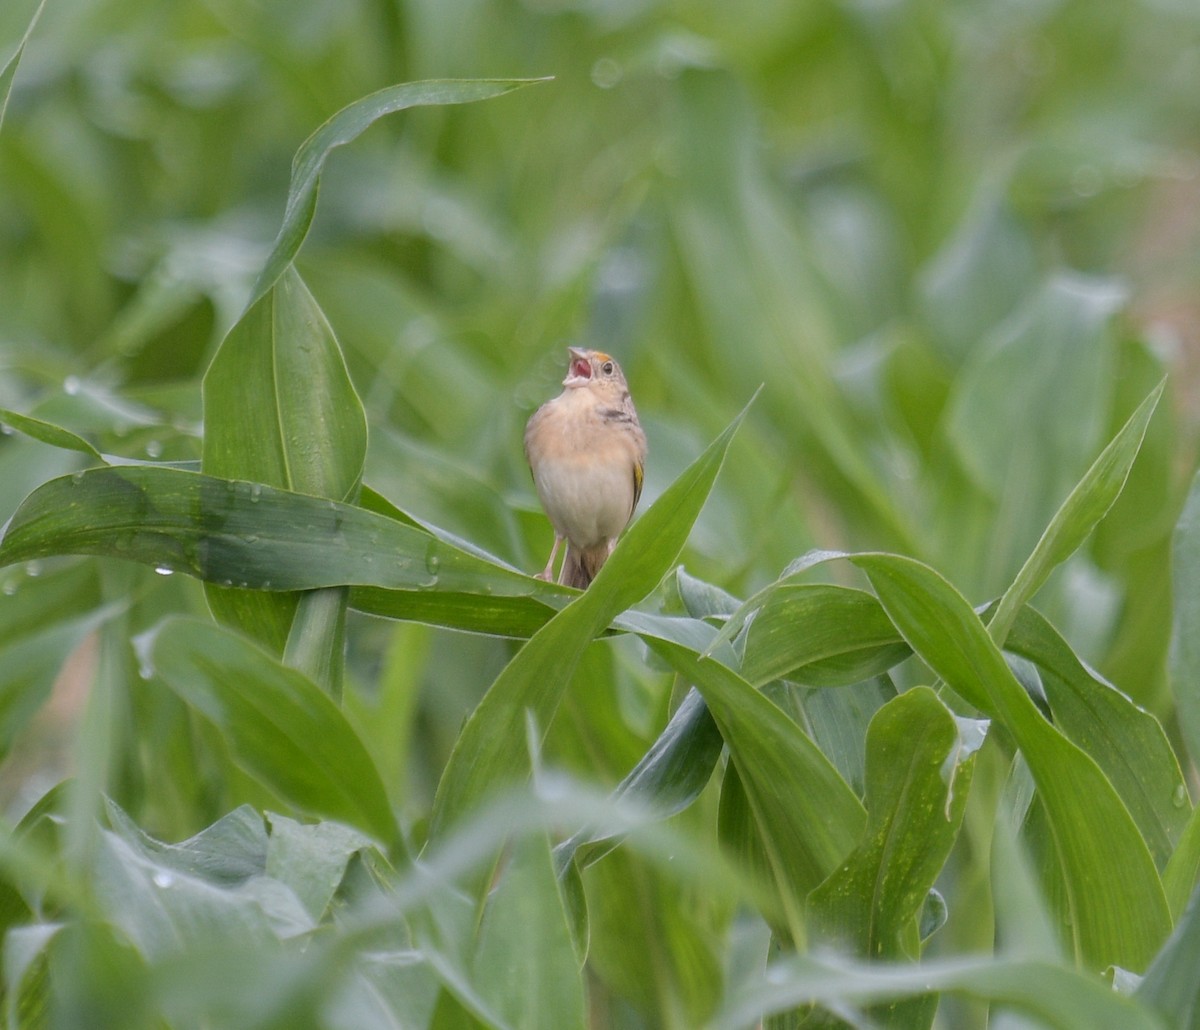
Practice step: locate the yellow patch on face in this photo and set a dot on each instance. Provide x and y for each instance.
(601, 356)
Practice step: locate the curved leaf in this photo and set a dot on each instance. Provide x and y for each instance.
(279, 726)
(1086, 505)
(345, 126)
(245, 534)
(807, 818)
(821, 635)
(1097, 841)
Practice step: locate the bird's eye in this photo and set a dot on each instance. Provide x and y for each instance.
(607, 368)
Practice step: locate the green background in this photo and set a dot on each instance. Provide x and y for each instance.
(956, 244)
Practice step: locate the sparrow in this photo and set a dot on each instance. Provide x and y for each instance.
(587, 453)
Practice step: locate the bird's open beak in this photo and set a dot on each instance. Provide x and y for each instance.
(580, 370)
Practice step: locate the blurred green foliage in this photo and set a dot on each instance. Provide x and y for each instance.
(957, 244)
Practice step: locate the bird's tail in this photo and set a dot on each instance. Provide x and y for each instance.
(580, 566)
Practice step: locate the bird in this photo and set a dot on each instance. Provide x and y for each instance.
(587, 452)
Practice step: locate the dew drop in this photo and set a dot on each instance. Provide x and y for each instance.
(9, 588)
(1179, 798)
(71, 385)
(33, 568)
(6, 429)
(163, 570)
(154, 449)
(250, 538)
(77, 478)
(163, 879)
(255, 491)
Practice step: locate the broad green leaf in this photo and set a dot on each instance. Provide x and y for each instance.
(807, 817)
(279, 409)
(278, 725)
(242, 534)
(821, 635)
(1087, 504)
(1185, 628)
(344, 127)
(524, 960)
(1170, 986)
(490, 752)
(1059, 998)
(9, 70)
(919, 766)
(1125, 740)
(1096, 842)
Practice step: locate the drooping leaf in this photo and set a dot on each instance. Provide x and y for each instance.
(344, 127)
(821, 635)
(243, 534)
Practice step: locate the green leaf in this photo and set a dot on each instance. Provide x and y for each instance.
(490, 753)
(919, 766)
(1054, 353)
(1056, 997)
(669, 777)
(48, 432)
(1185, 626)
(1127, 742)
(311, 859)
(807, 817)
(244, 534)
(278, 725)
(1170, 986)
(1183, 870)
(344, 127)
(9, 70)
(1087, 504)
(1096, 842)
(279, 409)
(821, 635)
(525, 960)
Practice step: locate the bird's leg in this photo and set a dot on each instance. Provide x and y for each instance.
(548, 572)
